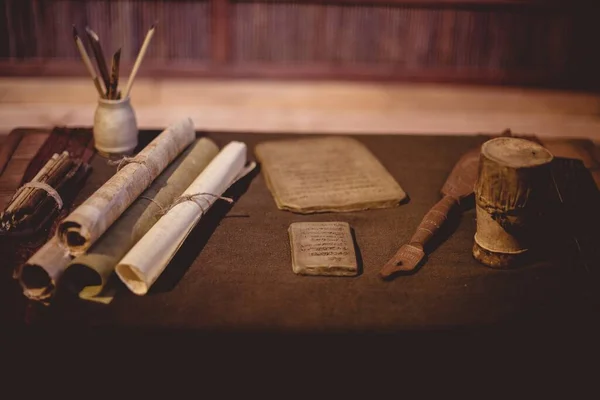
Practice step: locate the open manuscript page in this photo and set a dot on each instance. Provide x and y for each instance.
(326, 174)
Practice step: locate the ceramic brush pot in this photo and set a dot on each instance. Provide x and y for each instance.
(115, 127)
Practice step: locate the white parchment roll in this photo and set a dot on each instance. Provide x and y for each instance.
(144, 263)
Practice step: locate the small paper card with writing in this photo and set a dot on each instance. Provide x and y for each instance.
(322, 248)
(326, 174)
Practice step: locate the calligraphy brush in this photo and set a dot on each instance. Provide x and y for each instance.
(88, 63)
(98, 55)
(114, 76)
(139, 59)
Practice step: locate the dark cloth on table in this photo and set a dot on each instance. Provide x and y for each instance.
(234, 272)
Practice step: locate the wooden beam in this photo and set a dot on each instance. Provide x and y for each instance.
(220, 43)
(447, 3)
(309, 106)
(390, 72)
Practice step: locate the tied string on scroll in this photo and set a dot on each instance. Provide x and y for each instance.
(187, 197)
(196, 196)
(43, 186)
(94, 216)
(124, 161)
(149, 257)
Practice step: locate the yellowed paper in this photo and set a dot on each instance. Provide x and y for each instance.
(91, 219)
(326, 174)
(40, 275)
(323, 248)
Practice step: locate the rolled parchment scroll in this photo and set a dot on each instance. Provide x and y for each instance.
(91, 219)
(140, 268)
(39, 276)
(89, 273)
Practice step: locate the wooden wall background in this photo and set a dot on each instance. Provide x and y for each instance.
(520, 42)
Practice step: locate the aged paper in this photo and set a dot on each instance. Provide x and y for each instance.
(144, 263)
(326, 174)
(91, 219)
(322, 248)
(40, 275)
(89, 273)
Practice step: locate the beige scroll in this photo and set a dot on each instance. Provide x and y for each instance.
(140, 268)
(91, 219)
(89, 273)
(326, 174)
(322, 248)
(40, 275)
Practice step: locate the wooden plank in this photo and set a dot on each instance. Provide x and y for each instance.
(246, 118)
(220, 21)
(302, 95)
(284, 50)
(447, 3)
(418, 2)
(20, 147)
(311, 106)
(535, 78)
(8, 147)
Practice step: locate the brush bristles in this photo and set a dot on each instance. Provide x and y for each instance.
(92, 33)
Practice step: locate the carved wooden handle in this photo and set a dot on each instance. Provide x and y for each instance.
(433, 220)
(410, 255)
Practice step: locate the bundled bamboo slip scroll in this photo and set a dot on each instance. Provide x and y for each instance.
(326, 174)
(89, 273)
(91, 219)
(509, 196)
(41, 199)
(140, 268)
